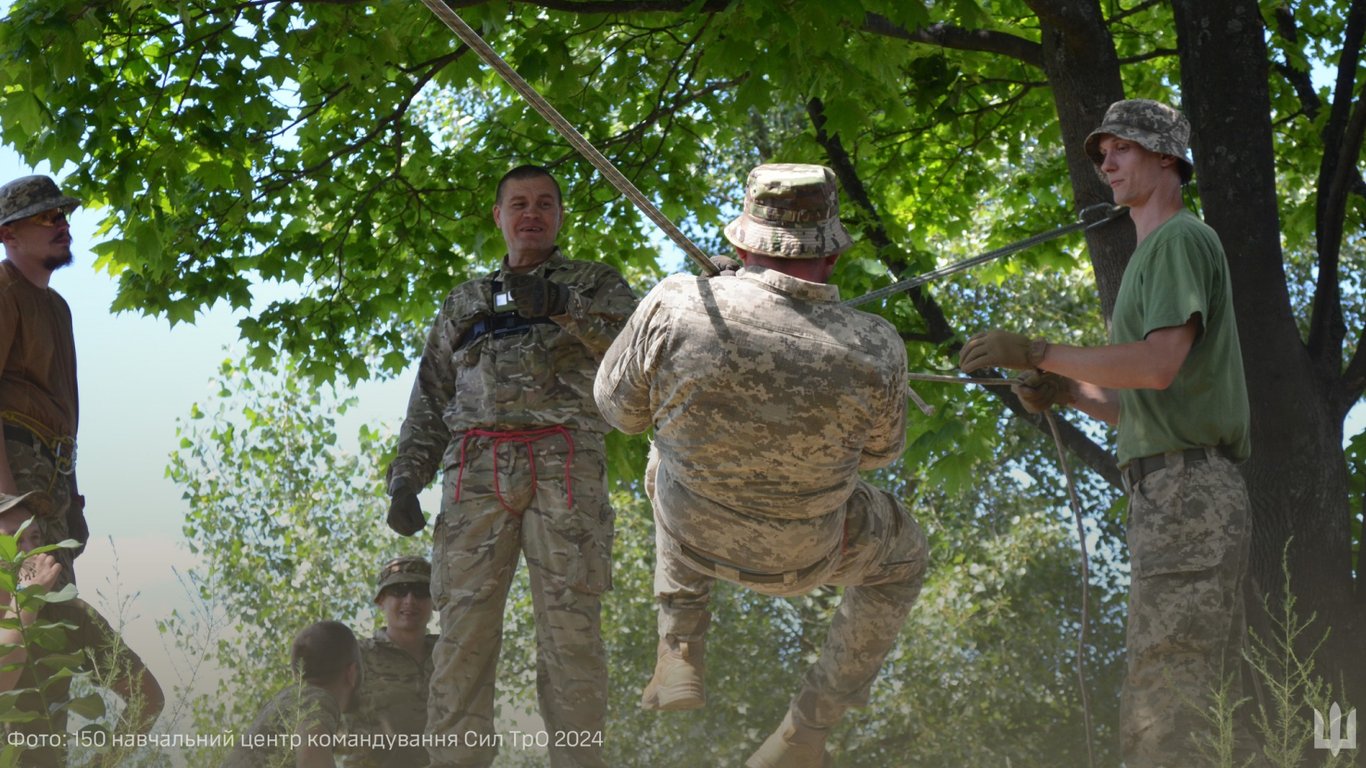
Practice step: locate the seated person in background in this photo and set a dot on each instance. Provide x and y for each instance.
(397, 666)
(326, 659)
(103, 652)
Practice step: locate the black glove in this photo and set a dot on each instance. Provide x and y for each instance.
(728, 265)
(405, 513)
(535, 296)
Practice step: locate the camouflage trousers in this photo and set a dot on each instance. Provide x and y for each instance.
(1189, 539)
(881, 564)
(502, 514)
(34, 470)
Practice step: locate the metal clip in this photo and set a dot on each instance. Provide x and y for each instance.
(64, 451)
(1111, 212)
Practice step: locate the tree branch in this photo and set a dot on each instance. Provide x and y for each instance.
(957, 38)
(939, 329)
(1096, 458)
(1156, 53)
(625, 6)
(1342, 136)
(1299, 79)
(1141, 7)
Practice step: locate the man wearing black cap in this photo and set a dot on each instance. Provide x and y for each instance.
(38, 402)
(1172, 380)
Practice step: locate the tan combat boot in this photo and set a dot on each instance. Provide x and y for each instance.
(793, 746)
(677, 683)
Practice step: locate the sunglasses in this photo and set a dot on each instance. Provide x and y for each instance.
(49, 218)
(403, 590)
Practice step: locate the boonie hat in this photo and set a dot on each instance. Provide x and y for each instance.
(1152, 125)
(403, 570)
(792, 211)
(38, 502)
(28, 195)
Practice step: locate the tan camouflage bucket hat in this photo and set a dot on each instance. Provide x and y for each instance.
(1152, 125)
(792, 211)
(403, 570)
(28, 195)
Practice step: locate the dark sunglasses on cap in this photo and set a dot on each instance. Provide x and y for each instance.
(403, 590)
(48, 218)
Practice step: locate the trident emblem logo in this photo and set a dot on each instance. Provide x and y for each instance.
(1332, 738)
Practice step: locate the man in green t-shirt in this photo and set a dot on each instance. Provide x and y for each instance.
(1171, 378)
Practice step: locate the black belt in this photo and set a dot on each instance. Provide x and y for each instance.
(64, 463)
(1139, 468)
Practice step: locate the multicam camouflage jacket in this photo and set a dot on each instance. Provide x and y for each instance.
(392, 700)
(488, 368)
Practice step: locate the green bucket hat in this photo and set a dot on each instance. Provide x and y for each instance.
(28, 195)
(403, 570)
(1152, 125)
(791, 211)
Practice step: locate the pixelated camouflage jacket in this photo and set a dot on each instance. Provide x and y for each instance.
(538, 375)
(767, 396)
(392, 700)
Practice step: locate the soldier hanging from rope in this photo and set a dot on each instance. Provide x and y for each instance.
(765, 492)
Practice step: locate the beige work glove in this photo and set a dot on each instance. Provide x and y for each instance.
(1001, 349)
(1040, 391)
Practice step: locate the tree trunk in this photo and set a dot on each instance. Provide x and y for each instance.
(1297, 477)
(1083, 72)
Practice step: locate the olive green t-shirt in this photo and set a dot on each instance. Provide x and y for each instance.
(1179, 272)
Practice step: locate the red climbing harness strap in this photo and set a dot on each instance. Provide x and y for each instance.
(524, 437)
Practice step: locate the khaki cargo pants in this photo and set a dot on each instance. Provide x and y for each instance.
(1189, 539)
(501, 515)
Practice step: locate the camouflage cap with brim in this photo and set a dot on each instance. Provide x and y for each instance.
(792, 211)
(31, 195)
(1152, 125)
(38, 503)
(403, 570)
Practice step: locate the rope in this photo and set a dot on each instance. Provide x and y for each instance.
(1085, 586)
(1081, 540)
(1110, 213)
(472, 39)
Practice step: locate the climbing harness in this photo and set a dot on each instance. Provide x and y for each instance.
(472, 39)
(1081, 537)
(1091, 217)
(526, 438)
(60, 450)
